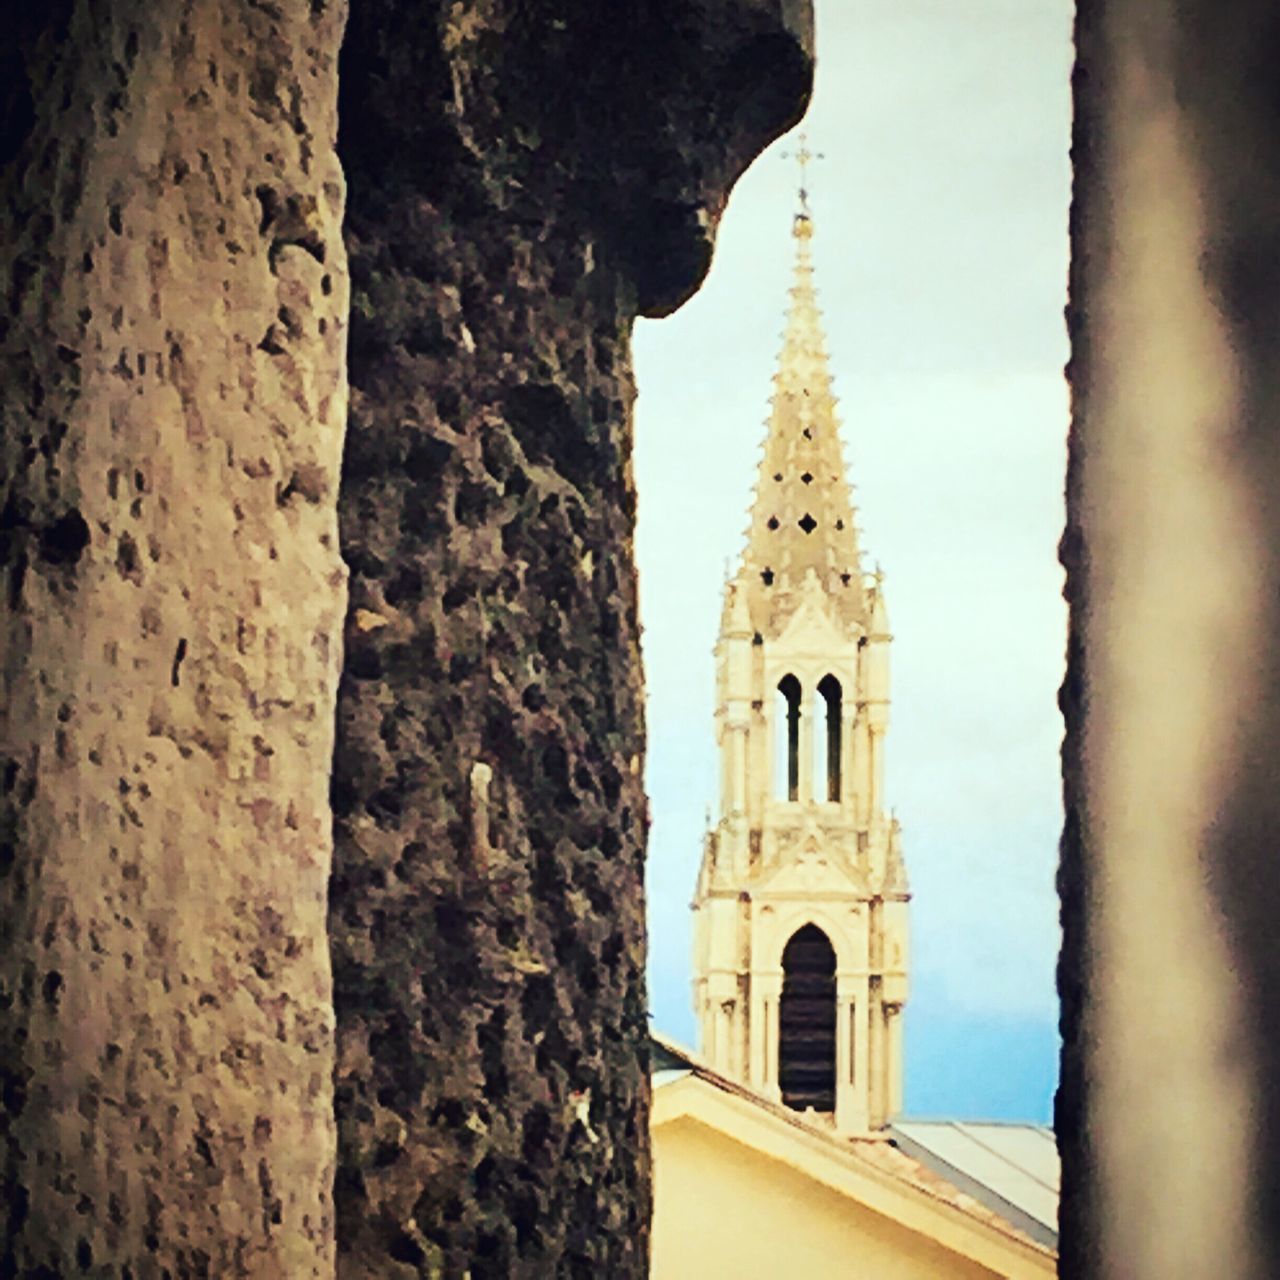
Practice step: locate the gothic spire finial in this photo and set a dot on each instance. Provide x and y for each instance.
(803, 518)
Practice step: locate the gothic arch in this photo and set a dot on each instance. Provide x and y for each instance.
(786, 923)
(807, 1021)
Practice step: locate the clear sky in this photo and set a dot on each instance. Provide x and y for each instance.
(940, 252)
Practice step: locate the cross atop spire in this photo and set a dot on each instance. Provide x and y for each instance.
(803, 157)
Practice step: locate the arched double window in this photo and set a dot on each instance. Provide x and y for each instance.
(786, 721)
(807, 1022)
(824, 768)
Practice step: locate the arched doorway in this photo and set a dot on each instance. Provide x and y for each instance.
(807, 1022)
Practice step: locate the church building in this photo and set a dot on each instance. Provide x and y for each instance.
(775, 1145)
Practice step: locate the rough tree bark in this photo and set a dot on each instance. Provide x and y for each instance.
(525, 179)
(1169, 1111)
(172, 401)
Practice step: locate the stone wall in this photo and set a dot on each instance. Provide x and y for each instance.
(558, 175)
(1168, 1116)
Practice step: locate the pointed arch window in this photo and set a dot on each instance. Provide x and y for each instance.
(828, 738)
(786, 721)
(807, 1022)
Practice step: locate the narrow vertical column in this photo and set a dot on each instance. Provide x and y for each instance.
(775, 764)
(706, 1032)
(861, 1033)
(849, 756)
(737, 759)
(757, 1012)
(735, 661)
(758, 780)
(726, 766)
(728, 1059)
(843, 1059)
(877, 690)
(859, 777)
(876, 1065)
(850, 1117)
(721, 991)
(875, 772)
(767, 990)
(894, 1074)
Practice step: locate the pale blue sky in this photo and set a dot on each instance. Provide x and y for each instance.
(941, 260)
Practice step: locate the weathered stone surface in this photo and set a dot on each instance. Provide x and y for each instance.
(172, 402)
(524, 179)
(1169, 1112)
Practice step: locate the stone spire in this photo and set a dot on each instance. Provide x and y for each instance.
(801, 936)
(802, 516)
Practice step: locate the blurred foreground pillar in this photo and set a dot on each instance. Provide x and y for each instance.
(1169, 1109)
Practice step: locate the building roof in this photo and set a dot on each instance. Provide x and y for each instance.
(1013, 1169)
(1003, 1178)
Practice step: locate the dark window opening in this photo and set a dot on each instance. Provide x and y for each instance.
(807, 1022)
(807, 478)
(807, 523)
(829, 688)
(773, 522)
(766, 576)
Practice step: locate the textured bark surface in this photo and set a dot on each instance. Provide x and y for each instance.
(172, 401)
(1169, 1112)
(562, 166)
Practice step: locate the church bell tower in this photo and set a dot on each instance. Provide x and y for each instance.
(800, 931)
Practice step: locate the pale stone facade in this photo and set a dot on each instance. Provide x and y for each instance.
(800, 936)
